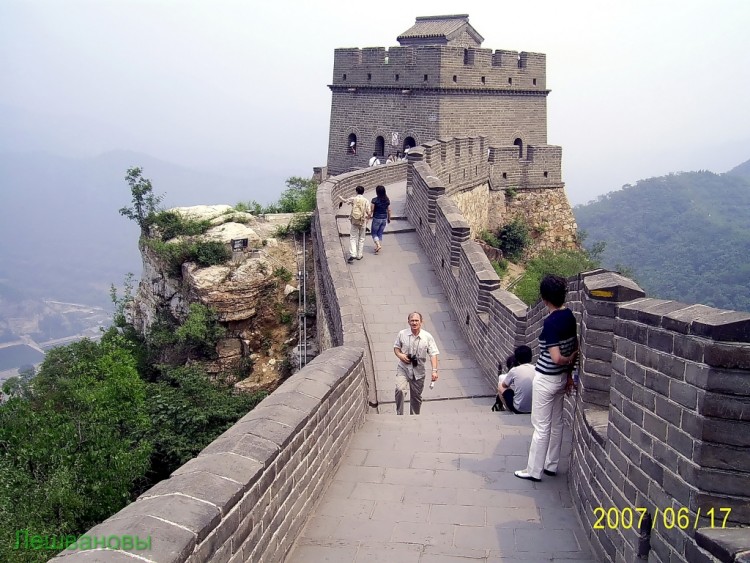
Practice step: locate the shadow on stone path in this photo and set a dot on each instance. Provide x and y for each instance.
(438, 487)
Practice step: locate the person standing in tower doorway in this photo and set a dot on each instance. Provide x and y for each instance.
(380, 211)
(358, 219)
(374, 160)
(558, 346)
(412, 347)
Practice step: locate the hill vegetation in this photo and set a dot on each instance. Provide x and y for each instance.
(101, 422)
(684, 236)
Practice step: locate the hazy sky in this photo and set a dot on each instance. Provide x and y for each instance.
(639, 87)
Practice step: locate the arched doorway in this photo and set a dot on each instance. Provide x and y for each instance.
(519, 144)
(351, 144)
(409, 143)
(379, 145)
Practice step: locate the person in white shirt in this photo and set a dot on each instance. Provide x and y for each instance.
(516, 387)
(412, 347)
(374, 160)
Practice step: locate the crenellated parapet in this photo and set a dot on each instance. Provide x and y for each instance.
(440, 66)
(540, 167)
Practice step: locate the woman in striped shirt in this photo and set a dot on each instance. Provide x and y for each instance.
(558, 344)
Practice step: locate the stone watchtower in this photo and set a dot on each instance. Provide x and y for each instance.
(438, 83)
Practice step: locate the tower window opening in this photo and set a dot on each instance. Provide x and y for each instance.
(483, 80)
(344, 77)
(505, 175)
(455, 78)
(510, 80)
(546, 174)
(380, 146)
(519, 144)
(351, 144)
(534, 81)
(369, 76)
(426, 78)
(397, 77)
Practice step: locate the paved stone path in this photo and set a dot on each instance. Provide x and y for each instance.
(438, 487)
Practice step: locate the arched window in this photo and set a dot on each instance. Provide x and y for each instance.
(351, 144)
(379, 146)
(519, 144)
(409, 143)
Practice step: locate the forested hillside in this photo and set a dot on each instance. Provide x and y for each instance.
(684, 236)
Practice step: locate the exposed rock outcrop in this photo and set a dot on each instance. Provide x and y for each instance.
(253, 294)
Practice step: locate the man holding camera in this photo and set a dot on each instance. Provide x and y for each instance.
(412, 347)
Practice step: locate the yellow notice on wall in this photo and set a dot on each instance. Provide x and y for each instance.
(602, 293)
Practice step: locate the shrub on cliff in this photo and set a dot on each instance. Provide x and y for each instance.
(564, 263)
(171, 224)
(204, 253)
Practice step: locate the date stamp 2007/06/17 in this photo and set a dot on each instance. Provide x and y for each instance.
(628, 518)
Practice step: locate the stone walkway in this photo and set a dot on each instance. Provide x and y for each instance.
(438, 487)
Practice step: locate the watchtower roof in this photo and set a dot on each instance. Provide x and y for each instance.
(441, 30)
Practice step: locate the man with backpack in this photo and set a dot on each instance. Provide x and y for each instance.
(358, 218)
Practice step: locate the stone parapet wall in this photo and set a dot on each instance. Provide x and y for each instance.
(661, 421)
(669, 385)
(247, 495)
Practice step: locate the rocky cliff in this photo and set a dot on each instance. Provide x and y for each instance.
(254, 293)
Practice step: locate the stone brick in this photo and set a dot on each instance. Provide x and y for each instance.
(732, 433)
(721, 456)
(660, 340)
(721, 355)
(668, 410)
(725, 544)
(655, 426)
(689, 348)
(675, 487)
(727, 326)
(680, 441)
(672, 366)
(683, 393)
(725, 406)
(657, 382)
(680, 320)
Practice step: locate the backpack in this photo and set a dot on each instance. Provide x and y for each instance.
(358, 215)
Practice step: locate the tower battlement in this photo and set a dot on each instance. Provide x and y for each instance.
(439, 66)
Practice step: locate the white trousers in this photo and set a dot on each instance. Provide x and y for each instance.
(357, 240)
(547, 420)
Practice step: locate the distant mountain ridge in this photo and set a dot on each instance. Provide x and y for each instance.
(685, 236)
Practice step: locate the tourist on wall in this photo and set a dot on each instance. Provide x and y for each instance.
(374, 160)
(516, 388)
(412, 347)
(510, 363)
(380, 211)
(391, 159)
(358, 219)
(558, 345)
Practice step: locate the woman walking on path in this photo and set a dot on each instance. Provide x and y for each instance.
(558, 345)
(380, 210)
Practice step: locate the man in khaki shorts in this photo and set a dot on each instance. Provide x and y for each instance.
(412, 347)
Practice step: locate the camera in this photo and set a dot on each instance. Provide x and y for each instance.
(413, 359)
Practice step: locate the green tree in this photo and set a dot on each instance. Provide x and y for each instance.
(188, 411)
(145, 204)
(73, 451)
(514, 238)
(299, 197)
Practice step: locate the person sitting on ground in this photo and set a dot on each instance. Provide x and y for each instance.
(510, 363)
(516, 388)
